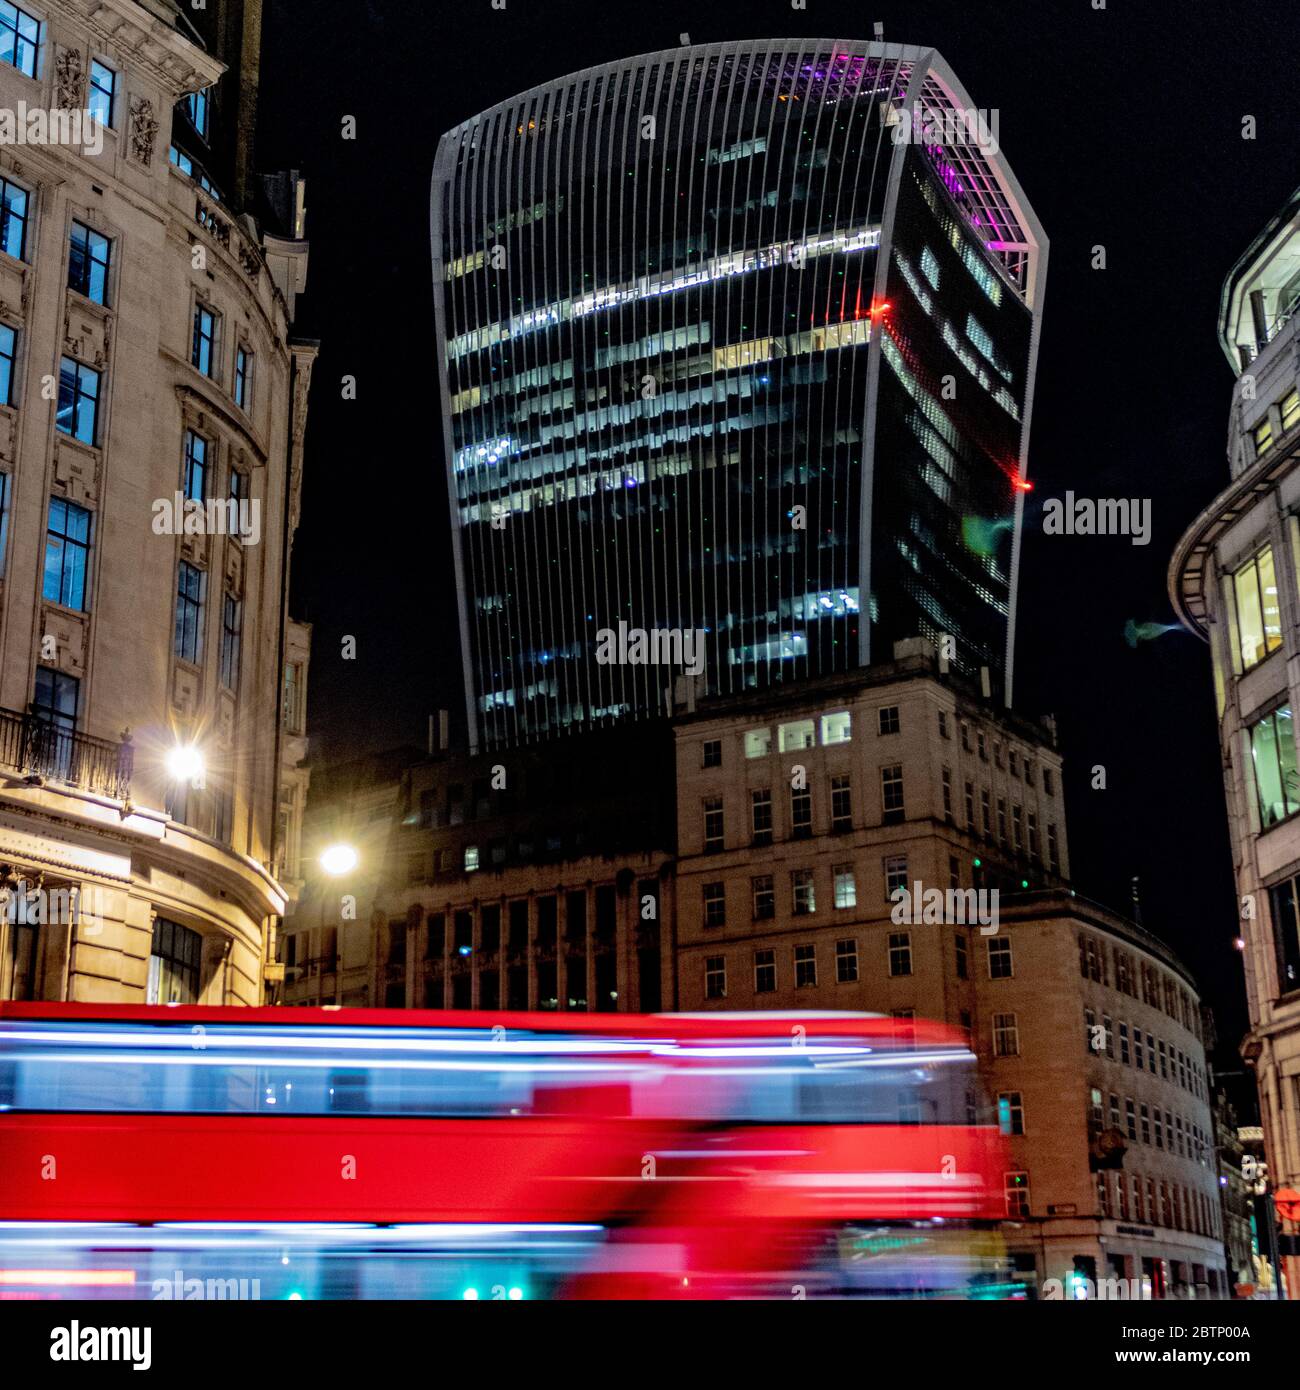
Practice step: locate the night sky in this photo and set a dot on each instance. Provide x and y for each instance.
(1124, 128)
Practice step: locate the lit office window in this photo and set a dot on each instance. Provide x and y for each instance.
(846, 888)
(1259, 617)
(1272, 748)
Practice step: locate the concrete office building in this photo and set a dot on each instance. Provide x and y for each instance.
(1235, 581)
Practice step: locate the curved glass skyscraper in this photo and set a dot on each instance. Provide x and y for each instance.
(737, 348)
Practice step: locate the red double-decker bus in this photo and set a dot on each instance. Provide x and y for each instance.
(165, 1151)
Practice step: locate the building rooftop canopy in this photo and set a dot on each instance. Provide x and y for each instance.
(1262, 291)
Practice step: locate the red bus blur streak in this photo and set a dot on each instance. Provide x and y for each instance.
(585, 1167)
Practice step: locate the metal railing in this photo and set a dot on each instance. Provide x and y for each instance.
(34, 746)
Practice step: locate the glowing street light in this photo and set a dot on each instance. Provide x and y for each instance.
(339, 859)
(185, 763)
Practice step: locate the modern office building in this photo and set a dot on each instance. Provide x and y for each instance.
(1235, 580)
(152, 404)
(737, 350)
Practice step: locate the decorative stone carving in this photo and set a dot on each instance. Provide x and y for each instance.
(69, 80)
(144, 130)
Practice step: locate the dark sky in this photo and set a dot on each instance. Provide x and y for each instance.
(1124, 128)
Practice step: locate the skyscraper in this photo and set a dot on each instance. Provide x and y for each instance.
(737, 347)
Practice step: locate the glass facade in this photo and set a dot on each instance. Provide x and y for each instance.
(736, 359)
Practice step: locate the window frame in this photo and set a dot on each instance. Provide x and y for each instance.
(78, 396)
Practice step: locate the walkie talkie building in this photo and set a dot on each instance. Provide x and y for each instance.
(737, 347)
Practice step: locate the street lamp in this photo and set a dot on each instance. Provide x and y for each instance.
(339, 859)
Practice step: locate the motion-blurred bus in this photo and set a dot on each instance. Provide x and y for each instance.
(167, 1152)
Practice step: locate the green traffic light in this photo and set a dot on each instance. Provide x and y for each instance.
(979, 863)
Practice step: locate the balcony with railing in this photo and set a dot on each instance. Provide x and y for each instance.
(42, 751)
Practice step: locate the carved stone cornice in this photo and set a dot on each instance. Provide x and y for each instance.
(160, 49)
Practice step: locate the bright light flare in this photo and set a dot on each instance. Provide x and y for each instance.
(185, 763)
(339, 859)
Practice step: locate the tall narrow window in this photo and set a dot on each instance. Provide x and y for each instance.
(764, 897)
(764, 971)
(203, 354)
(13, 219)
(846, 889)
(77, 412)
(244, 400)
(4, 517)
(760, 810)
(842, 802)
(805, 966)
(800, 812)
(20, 38)
(846, 962)
(103, 89)
(1259, 618)
(715, 904)
(803, 893)
(715, 977)
(891, 794)
(196, 467)
(56, 702)
(8, 355)
(88, 257)
(713, 825)
(189, 613)
(56, 699)
(1272, 747)
(231, 621)
(900, 953)
(67, 554)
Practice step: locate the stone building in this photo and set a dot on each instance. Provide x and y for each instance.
(1235, 581)
(152, 406)
(891, 841)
